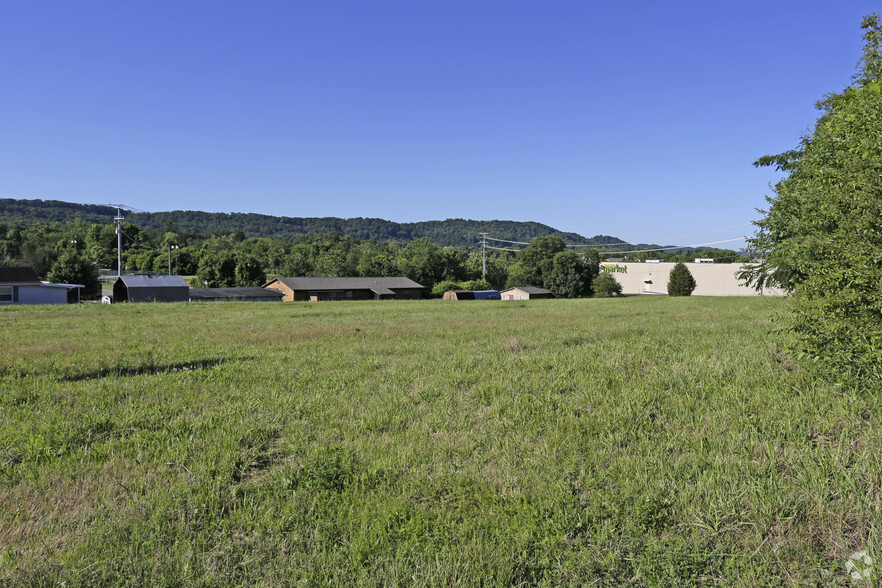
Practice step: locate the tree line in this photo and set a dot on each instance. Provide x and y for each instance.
(72, 253)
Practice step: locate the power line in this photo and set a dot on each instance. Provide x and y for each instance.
(599, 245)
(704, 232)
(568, 245)
(485, 246)
(126, 207)
(677, 247)
(506, 241)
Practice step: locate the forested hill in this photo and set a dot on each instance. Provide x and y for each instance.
(455, 232)
(25, 212)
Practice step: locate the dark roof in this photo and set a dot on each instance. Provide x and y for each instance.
(378, 285)
(234, 293)
(153, 281)
(18, 275)
(530, 289)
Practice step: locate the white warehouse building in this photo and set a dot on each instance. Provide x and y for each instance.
(711, 279)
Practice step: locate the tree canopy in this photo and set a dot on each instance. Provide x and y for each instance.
(821, 237)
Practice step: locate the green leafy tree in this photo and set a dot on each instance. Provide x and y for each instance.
(440, 288)
(422, 261)
(605, 285)
(249, 271)
(217, 269)
(72, 268)
(821, 237)
(377, 263)
(536, 262)
(570, 275)
(496, 274)
(298, 263)
(681, 282)
(334, 263)
(477, 285)
(518, 275)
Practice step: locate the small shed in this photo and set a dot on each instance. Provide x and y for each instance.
(487, 295)
(20, 285)
(235, 294)
(151, 289)
(526, 293)
(458, 295)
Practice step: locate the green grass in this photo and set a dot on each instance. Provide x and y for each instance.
(647, 440)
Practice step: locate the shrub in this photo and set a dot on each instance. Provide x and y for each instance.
(476, 285)
(440, 288)
(681, 282)
(605, 286)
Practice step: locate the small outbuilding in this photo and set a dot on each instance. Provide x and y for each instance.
(20, 285)
(458, 295)
(487, 295)
(151, 289)
(314, 289)
(254, 294)
(526, 293)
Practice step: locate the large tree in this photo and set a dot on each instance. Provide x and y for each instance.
(535, 263)
(73, 268)
(570, 276)
(821, 238)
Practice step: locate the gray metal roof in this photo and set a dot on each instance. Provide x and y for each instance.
(234, 293)
(18, 275)
(529, 289)
(68, 286)
(378, 285)
(153, 281)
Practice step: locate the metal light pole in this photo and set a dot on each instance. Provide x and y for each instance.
(170, 247)
(484, 256)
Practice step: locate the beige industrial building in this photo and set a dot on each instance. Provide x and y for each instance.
(711, 279)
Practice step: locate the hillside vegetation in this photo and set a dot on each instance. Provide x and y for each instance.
(646, 441)
(450, 232)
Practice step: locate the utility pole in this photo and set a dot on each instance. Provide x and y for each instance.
(119, 220)
(170, 247)
(484, 256)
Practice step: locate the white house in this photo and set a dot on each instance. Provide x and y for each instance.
(20, 285)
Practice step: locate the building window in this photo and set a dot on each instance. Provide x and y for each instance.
(5, 293)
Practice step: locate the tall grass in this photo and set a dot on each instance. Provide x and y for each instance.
(646, 440)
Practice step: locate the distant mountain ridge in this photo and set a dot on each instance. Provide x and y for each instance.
(455, 232)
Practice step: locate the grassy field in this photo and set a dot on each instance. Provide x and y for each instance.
(647, 440)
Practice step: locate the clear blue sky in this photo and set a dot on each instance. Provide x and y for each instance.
(635, 119)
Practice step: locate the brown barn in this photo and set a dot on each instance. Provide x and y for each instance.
(526, 293)
(314, 289)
